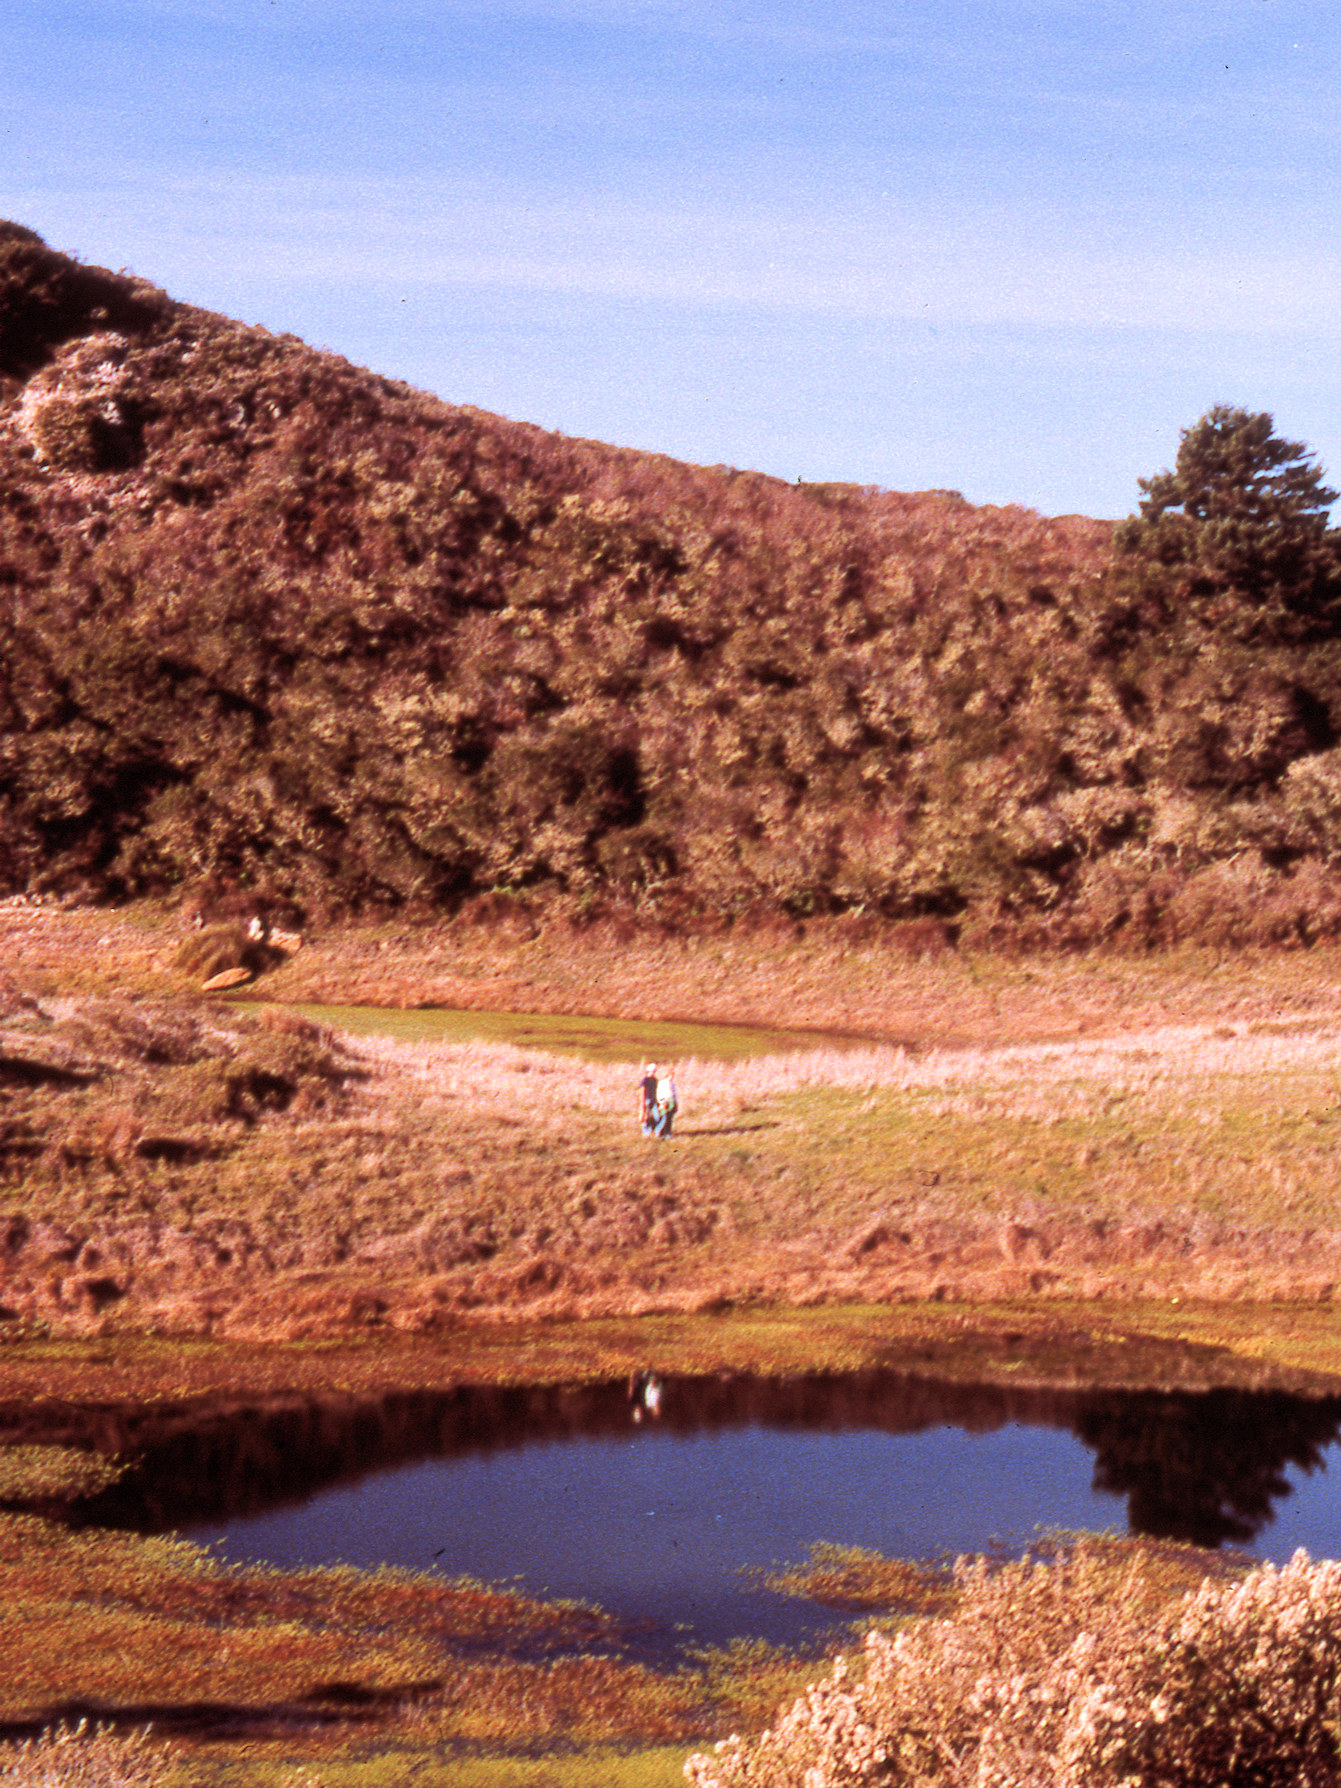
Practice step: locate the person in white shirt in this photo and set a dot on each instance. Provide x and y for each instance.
(666, 1103)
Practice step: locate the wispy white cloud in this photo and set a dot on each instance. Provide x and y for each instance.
(765, 186)
(857, 262)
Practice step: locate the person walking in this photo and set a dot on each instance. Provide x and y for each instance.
(666, 1104)
(647, 1090)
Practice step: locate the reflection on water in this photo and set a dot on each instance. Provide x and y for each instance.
(649, 1496)
(1207, 1468)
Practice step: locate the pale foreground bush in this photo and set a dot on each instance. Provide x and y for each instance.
(74, 1757)
(1064, 1675)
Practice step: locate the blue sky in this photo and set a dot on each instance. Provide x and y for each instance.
(1008, 248)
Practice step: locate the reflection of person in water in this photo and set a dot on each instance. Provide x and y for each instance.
(645, 1391)
(1204, 1467)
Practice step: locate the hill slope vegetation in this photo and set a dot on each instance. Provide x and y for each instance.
(271, 621)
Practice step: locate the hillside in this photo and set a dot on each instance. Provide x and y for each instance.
(270, 621)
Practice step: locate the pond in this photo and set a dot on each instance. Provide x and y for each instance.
(585, 1491)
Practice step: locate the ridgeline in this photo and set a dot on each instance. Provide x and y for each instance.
(272, 622)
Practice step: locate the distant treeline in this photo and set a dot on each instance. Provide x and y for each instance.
(271, 621)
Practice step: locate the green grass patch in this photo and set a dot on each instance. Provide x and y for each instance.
(593, 1039)
(64, 1474)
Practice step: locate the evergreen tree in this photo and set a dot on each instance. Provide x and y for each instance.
(1244, 513)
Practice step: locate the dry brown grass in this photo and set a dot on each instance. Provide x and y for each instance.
(867, 981)
(1074, 1130)
(1186, 1161)
(127, 1632)
(859, 978)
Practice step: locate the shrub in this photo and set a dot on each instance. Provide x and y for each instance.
(1068, 1674)
(312, 633)
(75, 1757)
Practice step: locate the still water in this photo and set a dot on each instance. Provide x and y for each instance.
(581, 1491)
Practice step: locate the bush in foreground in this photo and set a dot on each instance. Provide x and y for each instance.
(74, 1757)
(1056, 1675)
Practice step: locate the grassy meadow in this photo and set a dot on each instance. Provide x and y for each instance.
(946, 1129)
(1085, 1171)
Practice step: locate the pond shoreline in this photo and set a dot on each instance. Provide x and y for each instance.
(235, 1454)
(1061, 1347)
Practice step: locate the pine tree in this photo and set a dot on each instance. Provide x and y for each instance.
(1245, 514)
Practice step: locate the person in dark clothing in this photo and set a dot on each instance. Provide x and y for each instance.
(647, 1089)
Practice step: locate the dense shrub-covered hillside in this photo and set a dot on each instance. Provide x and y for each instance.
(271, 620)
